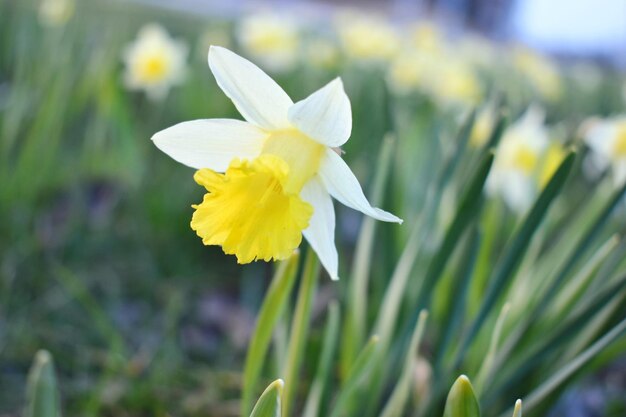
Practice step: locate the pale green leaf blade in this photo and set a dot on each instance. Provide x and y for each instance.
(461, 401)
(273, 304)
(269, 403)
(42, 392)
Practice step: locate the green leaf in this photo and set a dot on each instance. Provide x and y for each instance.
(273, 305)
(400, 395)
(515, 251)
(545, 389)
(331, 334)
(360, 369)
(269, 402)
(461, 400)
(300, 328)
(487, 367)
(354, 328)
(517, 410)
(42, 396)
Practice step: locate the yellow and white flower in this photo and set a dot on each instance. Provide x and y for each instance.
(607, 140)
(154, 62)
(518, 160)
(56, 13)
(367, 38)
(271, 39)
(269, 179)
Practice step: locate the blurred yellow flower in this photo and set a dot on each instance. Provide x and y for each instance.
(367, 38)
(55, 13)
(541, 72)
(280, 167)
(607, 140)
(154, 62)
(551, 161)
(518, 158)
(411, 71)
(271, 39)
(322, 53)
(483, 126)
(456, 83)
(426, 37)
(448, 80)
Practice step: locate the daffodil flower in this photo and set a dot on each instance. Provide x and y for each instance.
(154, 62)
(607, 141)
(270, 179)
(518, 160)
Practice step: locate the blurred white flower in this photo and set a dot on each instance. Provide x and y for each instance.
(322, 53)
(154, 62)
(272, 40)
(447, 79)
(518, 158)
(607, 140)
(367, 38)
(55, 13)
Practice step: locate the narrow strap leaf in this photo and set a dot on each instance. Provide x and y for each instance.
(273, 305)
(268, 404)
(400, 395)
(300, 328)
(361, 368)
(354, 329)
(545, 389)
(516, 250)
(461, 401)
(42, 396)
(312, 407)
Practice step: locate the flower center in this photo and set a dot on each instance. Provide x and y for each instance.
(619, 146)
(302, 155)
(153, 68)
(525, 159)
(249, 211)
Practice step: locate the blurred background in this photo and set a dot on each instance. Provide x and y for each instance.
(98, 263)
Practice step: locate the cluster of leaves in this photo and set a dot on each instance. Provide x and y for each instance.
(521, 317)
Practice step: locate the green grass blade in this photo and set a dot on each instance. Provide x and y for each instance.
(397, 401)
(312, 406)
(461, 401)
(360, 369)
(300, 328)
(580, 249)
(268, 404)
(354, 328)
(559, 337)
(459, 295)
(541, 392)
(42, 396)
(468, 208)
(269, 315)
(486, 368)
(516, 250)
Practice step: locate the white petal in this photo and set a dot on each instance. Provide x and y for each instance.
(211, 143)
(325, 115)
(257, 97)
(343, 185)
(321, 231)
